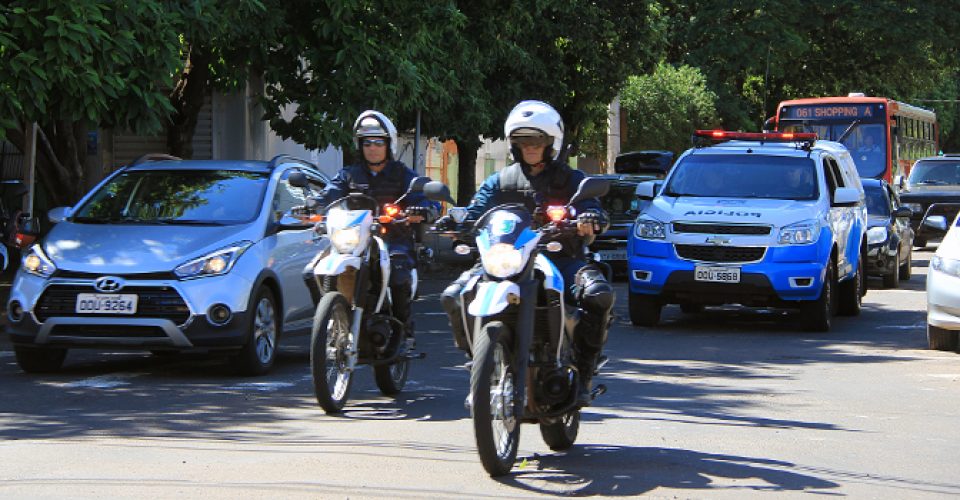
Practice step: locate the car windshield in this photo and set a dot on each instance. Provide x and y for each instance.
(744, 176)
(935, 172)
(877, 202)
(621, 202)
(218, 197)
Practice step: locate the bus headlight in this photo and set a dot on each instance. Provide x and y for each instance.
(502, 260)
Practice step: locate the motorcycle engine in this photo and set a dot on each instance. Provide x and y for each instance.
(554, 385)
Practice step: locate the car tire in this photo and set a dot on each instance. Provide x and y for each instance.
(851, 293)
(941, 339)
(39, 359)
(818, 314)
(892, 280)
(645, 309)
(906, 269)
(260, 351)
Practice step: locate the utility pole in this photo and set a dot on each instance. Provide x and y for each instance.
(30, 172)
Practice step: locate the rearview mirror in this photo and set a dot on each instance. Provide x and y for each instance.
(437, 191)
(646, 190)
(297, 179)
(417, 184)
(845, 197)
(937, 222)
(288, 221)
(590, 187)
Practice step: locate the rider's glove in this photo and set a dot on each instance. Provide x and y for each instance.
(427, 213)
(593, 219)
(446, 223)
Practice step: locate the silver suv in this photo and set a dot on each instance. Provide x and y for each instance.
(170, 255)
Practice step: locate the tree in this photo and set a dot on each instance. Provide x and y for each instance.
(665, 107)
(73, 66)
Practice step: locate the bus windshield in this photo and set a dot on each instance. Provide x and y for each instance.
(866, 142)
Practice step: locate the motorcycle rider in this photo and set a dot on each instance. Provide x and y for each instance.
(535, 132)
(379, 174)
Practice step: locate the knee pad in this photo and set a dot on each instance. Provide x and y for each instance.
(596, 294)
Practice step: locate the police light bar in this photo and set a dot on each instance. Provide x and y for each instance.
(724, 135)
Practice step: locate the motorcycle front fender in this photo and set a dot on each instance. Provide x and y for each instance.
(492, 298)
(335, 264)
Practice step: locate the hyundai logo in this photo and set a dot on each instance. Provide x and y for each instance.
(108, 284)
(718, 240)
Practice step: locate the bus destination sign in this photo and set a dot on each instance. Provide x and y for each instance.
(839, 112)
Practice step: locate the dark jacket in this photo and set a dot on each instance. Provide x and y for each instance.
(554, 186)
(385, 187)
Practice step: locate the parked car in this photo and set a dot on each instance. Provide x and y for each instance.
(622, 205)
(171, 255)
(770, 220)
(933, 188)
(889, 235)
(943, 288)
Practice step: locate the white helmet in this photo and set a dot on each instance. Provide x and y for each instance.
(372, 123)
(535, 118)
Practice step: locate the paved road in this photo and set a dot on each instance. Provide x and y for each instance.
(723, 404)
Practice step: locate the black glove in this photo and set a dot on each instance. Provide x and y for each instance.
(426, 212)
(592, 218)
(446, 223)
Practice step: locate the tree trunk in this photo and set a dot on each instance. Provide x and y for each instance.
(467, 176)
(61, 153)
(187, 99)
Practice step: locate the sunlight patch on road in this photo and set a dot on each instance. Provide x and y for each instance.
(260, 386)
(98, 382)
(904, 327)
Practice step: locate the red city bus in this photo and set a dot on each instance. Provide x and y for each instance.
(884, 136)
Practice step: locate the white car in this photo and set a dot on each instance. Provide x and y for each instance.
(943, 288)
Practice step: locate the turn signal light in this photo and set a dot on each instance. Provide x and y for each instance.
(391, 209)
(556, 213)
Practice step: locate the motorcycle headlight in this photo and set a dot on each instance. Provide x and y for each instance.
(213, 264)
(649, 229)
(801, 233)
(37, 263)
(346, 240)
(945, 266)
(876, 235)
(502, 260)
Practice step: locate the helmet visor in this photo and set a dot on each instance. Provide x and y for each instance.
(529, 141)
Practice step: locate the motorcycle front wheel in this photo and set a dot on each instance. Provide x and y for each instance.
(329, 345)
(495, 393)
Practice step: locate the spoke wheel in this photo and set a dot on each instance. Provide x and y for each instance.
(496, 394)
(329, 348)
(391, 378)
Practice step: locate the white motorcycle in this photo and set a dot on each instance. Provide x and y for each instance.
(520, 331)
(354, 324)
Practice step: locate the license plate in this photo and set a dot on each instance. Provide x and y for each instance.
(717, 274)
(106, 303)
(613, 254)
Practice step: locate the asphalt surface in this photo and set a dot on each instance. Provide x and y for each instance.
(723, 404)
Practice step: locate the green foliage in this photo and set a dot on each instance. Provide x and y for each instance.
(665, 107)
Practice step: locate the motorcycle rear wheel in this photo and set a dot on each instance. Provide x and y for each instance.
(496, 395)
(561, 433)
(329, 343)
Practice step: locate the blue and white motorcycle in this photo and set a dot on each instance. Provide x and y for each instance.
(520, 331)
(354, 324)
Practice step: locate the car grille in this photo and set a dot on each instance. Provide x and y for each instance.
(714, 253)
(60, 273)
(152, 302)
(682, 227)
(107, 331)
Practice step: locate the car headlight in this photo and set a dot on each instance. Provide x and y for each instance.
(502, 260)
(801, 233)
(37, 263)
(916, 208)
(213, 264)
(649, 229)
(876, 235)
(345, 240)
(945, 266)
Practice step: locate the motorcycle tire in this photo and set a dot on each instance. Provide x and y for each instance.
(497, 399)
(329, 342)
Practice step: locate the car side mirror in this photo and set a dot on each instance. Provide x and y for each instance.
(902, 213)
(59, 214)
(646, 190)
(937, 222)
(290, 222)
(845, 197)
(298, 179)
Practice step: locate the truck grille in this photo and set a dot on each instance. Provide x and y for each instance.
(683, 227)
(714, 253)
(152, 302)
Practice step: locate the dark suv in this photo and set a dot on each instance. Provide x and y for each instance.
(622, 204)
(933, 188)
